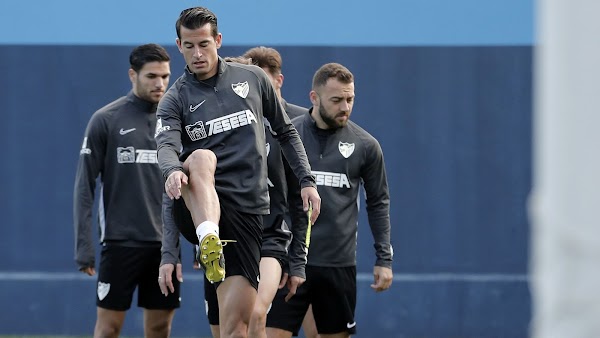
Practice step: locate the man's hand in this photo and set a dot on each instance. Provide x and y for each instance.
(174, 183)
(89, 270)
(165, 280)
(382, 278)
(293, 283)
(310, 195)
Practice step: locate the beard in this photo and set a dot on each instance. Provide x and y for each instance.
(330, 120)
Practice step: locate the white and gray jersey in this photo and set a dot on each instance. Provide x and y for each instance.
(227, 118)
(342, 161)
(118, 146)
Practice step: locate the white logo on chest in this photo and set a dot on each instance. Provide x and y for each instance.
(241, 88)
(346, 149)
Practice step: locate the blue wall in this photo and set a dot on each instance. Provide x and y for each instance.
(450, 104)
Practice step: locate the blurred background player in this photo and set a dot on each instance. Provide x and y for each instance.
(343, 157)
(119, 147)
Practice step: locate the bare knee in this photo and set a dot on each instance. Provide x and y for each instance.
(202, 162)
(157, 323)
(158, 329)
(107, 329)
(108, 323)
(259, 315)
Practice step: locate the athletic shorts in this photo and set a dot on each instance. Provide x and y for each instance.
(276, 238)
(332, 293)
(122, 269)
(241, 257)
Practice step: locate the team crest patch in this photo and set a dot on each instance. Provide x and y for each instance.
(241, 89)
(103, 289)
(346, 149)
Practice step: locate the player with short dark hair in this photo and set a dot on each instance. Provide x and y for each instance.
(211, 149)
(119, 147)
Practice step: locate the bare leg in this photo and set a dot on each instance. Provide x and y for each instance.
(236, 300)
(200, 195)
(108, 323)
(278, 333)
(308, 324)
(157, 323)
(214, 329)
(270, 273)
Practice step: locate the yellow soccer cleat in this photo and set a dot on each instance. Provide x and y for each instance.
(210, 257)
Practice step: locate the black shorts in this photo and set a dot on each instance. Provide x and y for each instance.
(122, 269)
(276, 238)
(241, 257)
(211, 303)
(332, 293)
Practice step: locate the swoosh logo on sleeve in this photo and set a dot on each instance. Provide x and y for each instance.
(123, 131)
(193, 108)
(351, 325)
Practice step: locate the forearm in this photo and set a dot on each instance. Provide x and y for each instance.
(170, 238)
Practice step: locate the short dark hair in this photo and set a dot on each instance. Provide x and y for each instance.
(332, 70)
(196, 17)
(143, 54)
(265, 57)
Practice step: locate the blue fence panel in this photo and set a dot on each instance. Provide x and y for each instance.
(455, 127)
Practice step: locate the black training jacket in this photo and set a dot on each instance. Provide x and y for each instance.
(351, 157)
(118, 146)
(228, 119)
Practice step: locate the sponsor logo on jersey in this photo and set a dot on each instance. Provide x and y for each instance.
(160, 128)
(241, 88)
(197, 131)
(193, 108)
(131, 155)
(346, 149)
(103, 289)
(84, 148)
(335, 180)
(124, 132)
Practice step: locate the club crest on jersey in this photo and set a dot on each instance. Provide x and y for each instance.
(103, 289)
(346, 149)
(241, 88)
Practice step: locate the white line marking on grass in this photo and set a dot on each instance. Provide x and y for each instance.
(361, 277)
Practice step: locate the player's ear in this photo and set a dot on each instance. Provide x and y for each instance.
(178, 42)
(219, 40)
(314, 98)
(132, 75)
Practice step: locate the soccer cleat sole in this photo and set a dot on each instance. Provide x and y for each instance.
(210, 256)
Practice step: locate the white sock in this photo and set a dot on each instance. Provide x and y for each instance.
(205, 228)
